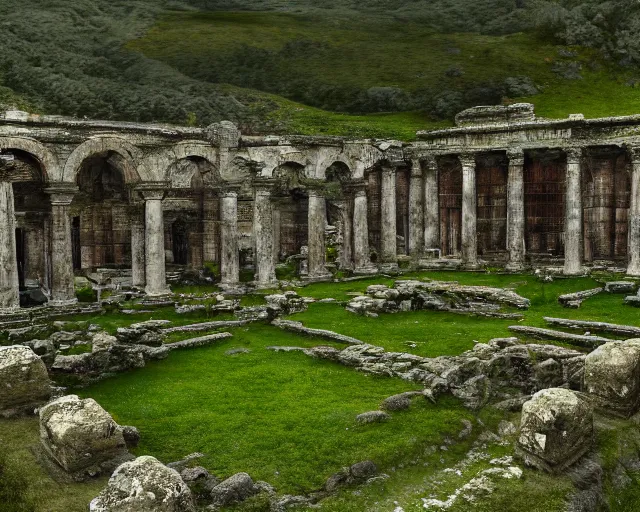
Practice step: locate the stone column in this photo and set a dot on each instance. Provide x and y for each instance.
(634, 214)
(137, 249)
(317, 225)
(230, 258)
(388, 235)
(515, 210)
(431, 205)
(155, 272)
(346, 249)
(264, 236)
(361, 256)
(9, 286)
(573, 214)
(416, 210)
(469, 211)
(62, 278)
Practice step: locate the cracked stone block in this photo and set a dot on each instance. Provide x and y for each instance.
(556, 430)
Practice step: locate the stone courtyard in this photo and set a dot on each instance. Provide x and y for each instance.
(470, 296)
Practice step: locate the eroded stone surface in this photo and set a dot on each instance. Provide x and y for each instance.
(556, 429)
(80, 436)
(144, 485)
(24, 382)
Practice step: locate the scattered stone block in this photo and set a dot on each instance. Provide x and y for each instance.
(556, 430)
(620, 287)
(81, 437)
(234, 489)
(612, 375)
(574, 300)
(24, 382)
(372, 417)
(144, 485)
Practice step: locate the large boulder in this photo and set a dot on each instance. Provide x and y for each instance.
(144, 485)
(612, 375)
(24, 382)
(556, 430)
(81, 437)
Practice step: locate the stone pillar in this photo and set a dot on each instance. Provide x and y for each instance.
(317, 225)
(137, 249)
(9, 286)
(264, 236)
(156, 278)
(634, 215)
(515, 210)
(416, 210)
(361, 253)
(62, 278)
(573, 214)
(230, 258)
(388, 235)
(431, 205)
(469, 211)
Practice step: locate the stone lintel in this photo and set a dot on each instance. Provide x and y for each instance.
(264, 184)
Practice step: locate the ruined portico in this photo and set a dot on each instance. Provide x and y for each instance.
(501, 187)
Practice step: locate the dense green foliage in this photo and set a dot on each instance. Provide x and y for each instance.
(149, 60)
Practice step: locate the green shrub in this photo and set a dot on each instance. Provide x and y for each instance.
(87, 294)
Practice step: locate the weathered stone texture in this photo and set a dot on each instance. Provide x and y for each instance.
(24, 382)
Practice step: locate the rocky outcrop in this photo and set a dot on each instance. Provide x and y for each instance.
(81, 437)
(435, 295)
(500, 370)
(612, 375)
(556, 430)
(144, 485)
(24, 382)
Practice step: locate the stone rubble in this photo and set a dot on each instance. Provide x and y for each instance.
(24, 382)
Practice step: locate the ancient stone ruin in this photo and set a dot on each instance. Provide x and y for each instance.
(125, 206)
(24, 382)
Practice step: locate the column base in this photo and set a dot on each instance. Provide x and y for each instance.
(389, 267)
(265, 286)
(471, 266)
(158, 294)
(577, 271)
(317, 278)
(62, 303)
(516, 266)
(233, 288)
(366, 270)
(633, 270)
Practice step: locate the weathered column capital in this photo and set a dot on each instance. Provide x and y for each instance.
(153, 190)
(634, 153)
(358, 188)
(315, 192)
(574, 155)
(416, 168)
(7, 165)
(61, 194)
(430, 163)
(467, 159)
(515, 156)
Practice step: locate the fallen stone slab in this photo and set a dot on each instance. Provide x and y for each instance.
(199, 342)
(621, 330)
(205, 326)
(144, 484)
(549, 334)
(574, 300)
(632, 300)
(24, 382)
(620, 287)
(286, 349)
(289, 325)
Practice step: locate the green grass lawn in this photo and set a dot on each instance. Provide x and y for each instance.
(283, 417)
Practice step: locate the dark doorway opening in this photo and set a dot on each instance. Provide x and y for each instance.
(180, 236)
(76, 251)
(21, 257)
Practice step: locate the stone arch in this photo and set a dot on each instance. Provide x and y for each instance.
(130, 156)
(48, 162)
(183, 151)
